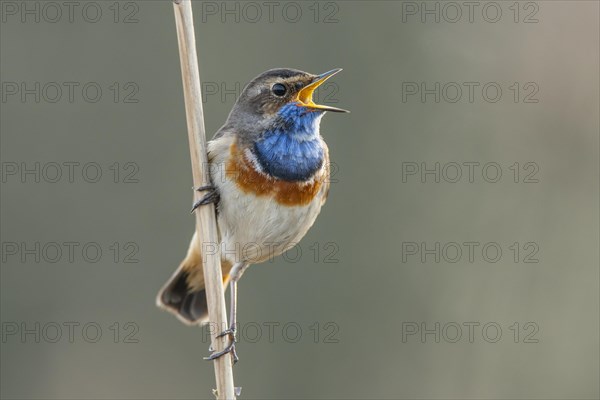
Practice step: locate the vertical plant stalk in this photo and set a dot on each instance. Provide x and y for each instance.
(206, 223)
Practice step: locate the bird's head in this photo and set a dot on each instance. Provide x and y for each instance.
(280, 99)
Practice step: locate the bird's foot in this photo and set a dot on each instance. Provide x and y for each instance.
(230, 347)
(204, 188)
(211, 197)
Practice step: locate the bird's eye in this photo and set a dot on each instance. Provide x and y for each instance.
(279, 89)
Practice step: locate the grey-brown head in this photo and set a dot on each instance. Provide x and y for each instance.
(278, 95)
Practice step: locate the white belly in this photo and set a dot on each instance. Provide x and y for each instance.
(254, 229)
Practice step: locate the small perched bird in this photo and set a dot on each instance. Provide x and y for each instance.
(270, 178)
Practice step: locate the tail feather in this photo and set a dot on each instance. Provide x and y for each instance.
(184, 295)
(187, 304)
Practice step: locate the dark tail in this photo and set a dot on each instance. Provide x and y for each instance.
(187, 303)
(183, 295)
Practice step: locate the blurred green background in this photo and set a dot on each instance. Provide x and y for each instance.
(360, 292)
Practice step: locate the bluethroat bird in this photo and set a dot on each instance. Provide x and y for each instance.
(270, 178)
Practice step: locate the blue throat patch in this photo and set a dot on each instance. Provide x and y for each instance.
(292, 151)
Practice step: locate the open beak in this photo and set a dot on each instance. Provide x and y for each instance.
(304, 97)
